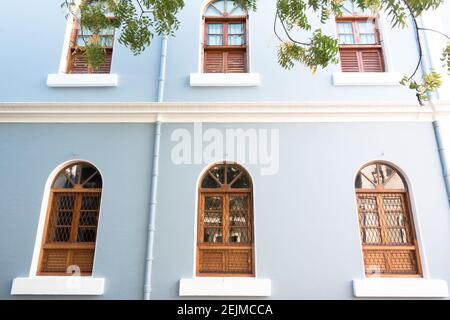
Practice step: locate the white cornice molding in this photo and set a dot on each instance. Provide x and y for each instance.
(220, 112)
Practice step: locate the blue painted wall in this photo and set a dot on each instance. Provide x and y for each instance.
(306, 236)
(36, 42)
(31, 152)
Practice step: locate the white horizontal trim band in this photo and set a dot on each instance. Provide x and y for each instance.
(225, 287)
(400, 288)
(219, 112)
(367, 78)
(224, 79)
(82, 80)
(70, 285)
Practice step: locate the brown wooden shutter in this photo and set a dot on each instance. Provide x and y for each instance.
(361, 60)
(349, 60)
(214, 62)
(79, 64)
(236, 62)
(372, 61)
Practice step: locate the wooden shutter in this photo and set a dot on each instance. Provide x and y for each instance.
(214, 62)
(361, 60)
(349, 60)
(79, 63)
(372, 61)
(236, 61)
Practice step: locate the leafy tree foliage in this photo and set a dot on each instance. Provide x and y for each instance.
(139, 21)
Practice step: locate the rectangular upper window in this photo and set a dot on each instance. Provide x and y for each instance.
(225, 38)
(77, 61)
(359, 45)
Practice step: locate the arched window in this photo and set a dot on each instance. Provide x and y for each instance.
(71, 227)
(225, 222)
(386, 224)
(225, 38)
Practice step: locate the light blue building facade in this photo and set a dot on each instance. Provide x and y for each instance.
(156, 123)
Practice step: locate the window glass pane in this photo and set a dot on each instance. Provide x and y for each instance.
(242, 182)
(345, 27)
(212, 219)
(218, 171)
(215, 40)
(236, 40)
(107, 41)
(215, 28)
(366, 27)
(212, 12)
(62, 182)
(83, 40)
(236, 28)
(238, 219)
(396, 182)
(346, 39)
(370, 172)
(234, 9)
(363, 183)
(367, 39)
(219, 5)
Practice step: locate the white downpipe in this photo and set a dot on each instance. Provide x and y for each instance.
(155, 174)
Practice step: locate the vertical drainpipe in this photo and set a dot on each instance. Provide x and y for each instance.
(155, 175)
(425, 67)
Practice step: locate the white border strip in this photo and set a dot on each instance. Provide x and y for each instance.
(400, 288)
(219, 112)
(82, 80)
(70, 285)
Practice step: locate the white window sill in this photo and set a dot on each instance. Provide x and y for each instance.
(400, 288)
(367, 78)
(224, 79)
(82, 80)
(225, 287)
(70, 285)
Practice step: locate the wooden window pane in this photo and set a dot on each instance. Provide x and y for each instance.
(225, 244)
(387, 231)
(239, 219)
(71, 230)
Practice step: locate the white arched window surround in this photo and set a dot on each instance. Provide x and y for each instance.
(56, 285)
(200, 79)
(395, 287)
(251, 286)
(63, 79)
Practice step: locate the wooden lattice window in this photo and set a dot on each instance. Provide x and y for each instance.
(386, 224)
(225, 38)
(71, 225)
(359, 41)
(225, 244)
(77, 61)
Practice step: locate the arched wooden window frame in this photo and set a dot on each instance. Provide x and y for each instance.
(394, 247)
(226, 191)
(234, 66)
(75, 255)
